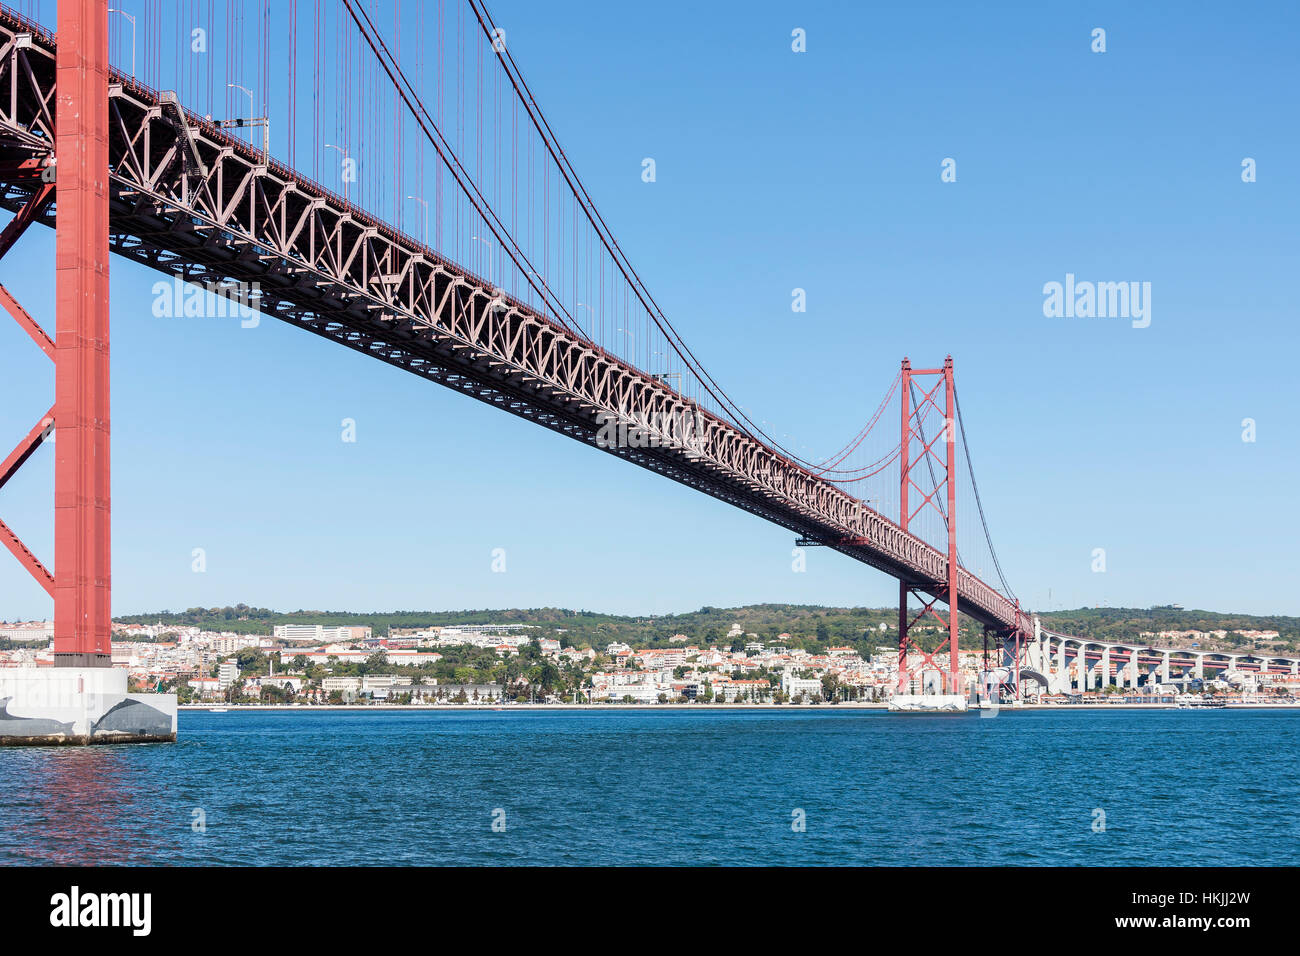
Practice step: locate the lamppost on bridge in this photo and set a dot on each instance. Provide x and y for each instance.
(541, 289)
(488, 243)
(425, 204)
(262, 121)
(132, 19)
(664, 376)
(342, 151)
(498, 301)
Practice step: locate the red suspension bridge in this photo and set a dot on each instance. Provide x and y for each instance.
(197, 146)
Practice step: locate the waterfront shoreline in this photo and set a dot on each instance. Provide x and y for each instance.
(622, 708)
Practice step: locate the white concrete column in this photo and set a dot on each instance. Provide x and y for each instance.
(1164, 668)
(1105, 666)
(1081, 668)
(1060, 662)
(1133, 662)
(1200, 667)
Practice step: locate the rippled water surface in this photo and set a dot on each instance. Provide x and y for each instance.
(669, 787)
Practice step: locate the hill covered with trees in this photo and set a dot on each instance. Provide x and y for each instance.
(809, 626)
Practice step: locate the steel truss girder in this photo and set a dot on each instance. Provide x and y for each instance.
(198, 203)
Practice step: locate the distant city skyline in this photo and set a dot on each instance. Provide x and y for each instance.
(777, 170)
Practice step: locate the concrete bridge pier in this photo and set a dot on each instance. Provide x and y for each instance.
(80, 705)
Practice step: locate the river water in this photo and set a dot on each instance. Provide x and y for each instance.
(826, 786)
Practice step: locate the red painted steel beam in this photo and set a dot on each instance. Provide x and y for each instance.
(29, 213)
(25, 216)
(30, 325)
(26, 447)
(82, 586)
(26, 558)
(8, 468)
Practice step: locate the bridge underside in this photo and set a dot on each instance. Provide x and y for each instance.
(188, 200)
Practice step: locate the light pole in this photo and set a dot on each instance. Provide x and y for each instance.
(488, 243)
(498, 303)
(132, 19)
(633, 341)
(540, 286)
(261, 121)
(664, 376)
(425, 204)
(342, 151)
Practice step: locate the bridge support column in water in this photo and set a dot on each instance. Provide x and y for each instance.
(80, 705)
(83, 698)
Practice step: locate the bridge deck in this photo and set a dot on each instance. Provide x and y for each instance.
(189, 199)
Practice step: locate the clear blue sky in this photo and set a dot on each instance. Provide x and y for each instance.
(777, 170)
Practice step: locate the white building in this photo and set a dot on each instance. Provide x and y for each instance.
(640, 693)
(29, 631)
(292, 684)
(319, 633)
(227, 674)
(794, 686)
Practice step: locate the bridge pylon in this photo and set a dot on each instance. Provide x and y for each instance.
(914, 438)
(83, 699)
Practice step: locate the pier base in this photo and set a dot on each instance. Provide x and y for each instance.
(41, 706)
(928, 703)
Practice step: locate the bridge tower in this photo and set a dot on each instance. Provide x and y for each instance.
(82, 583)
(79, 420)
(83, 699)
(914, 437)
